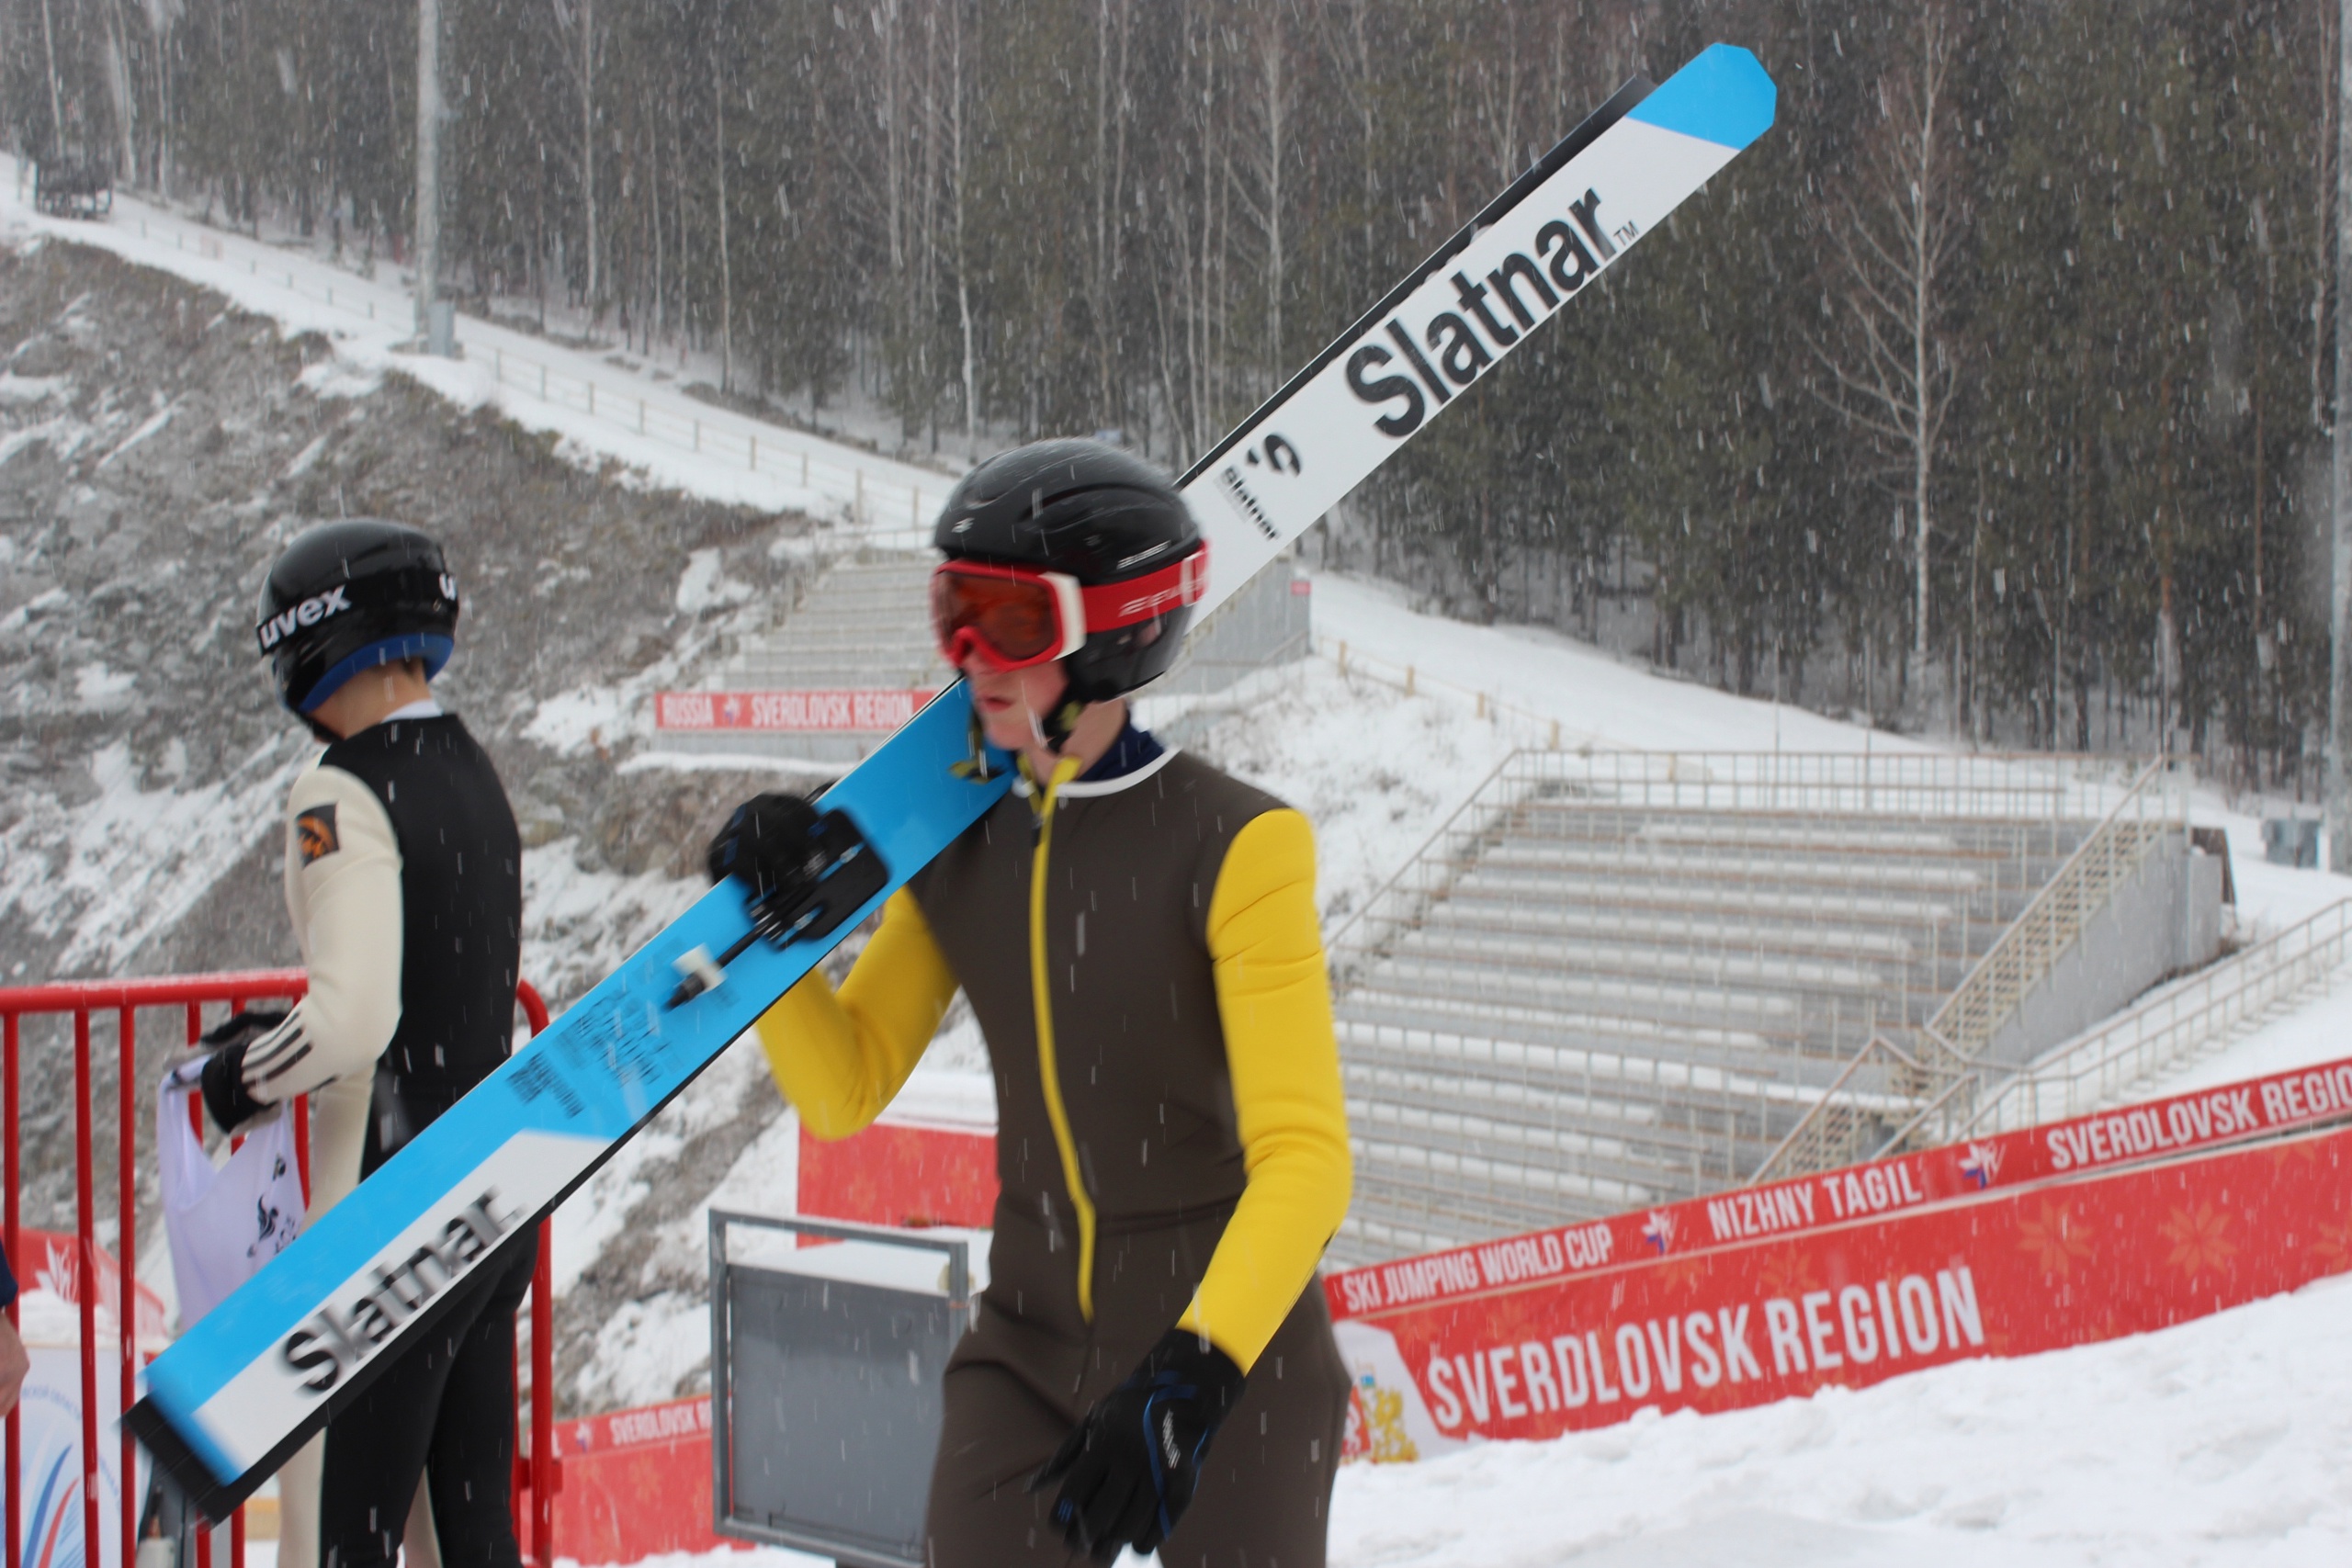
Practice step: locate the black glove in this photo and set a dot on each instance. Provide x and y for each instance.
(224, 1071)
(771, 845)
(1129, 1470)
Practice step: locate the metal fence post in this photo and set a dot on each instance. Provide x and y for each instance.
(16, 1438)
(87, 1283)
(126, 1313)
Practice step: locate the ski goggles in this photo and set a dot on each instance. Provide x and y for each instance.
(1016, 617)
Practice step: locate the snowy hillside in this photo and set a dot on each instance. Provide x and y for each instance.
(156, 447)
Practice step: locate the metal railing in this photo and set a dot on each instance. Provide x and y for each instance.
(1847, 1125)
(2153, 809)
(1413, 680)
(885, 506)
(1448, 851)
(1658, 971)
(2050, 794)
(2095, 1068)
(887, 514)
(189, 996)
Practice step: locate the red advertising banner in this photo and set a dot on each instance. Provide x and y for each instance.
(865, 710)
(2069, 1261)
(635, 1484)
(2205, 1119)
(894, 1174)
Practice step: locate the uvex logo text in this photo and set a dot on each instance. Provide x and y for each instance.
(336, 1341)
(309, 613)
(1508, 301)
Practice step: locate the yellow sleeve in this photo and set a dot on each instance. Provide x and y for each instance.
(1274, 999)
(841, 1058)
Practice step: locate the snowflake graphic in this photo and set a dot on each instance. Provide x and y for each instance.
(2199, 1239)
(1659, 1231)
(2333, 1248)
(2053, 1240)
(2301, 1155)
(1792, 1273)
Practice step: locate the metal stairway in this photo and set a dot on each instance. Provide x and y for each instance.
(1625, 979)
(862, 625)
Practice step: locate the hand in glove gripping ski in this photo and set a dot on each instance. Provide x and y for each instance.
(772, 846)
(1127, 1473)
(225, 1094)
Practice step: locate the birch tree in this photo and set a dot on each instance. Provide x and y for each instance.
(1894, 233)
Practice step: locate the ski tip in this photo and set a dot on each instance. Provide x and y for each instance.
(1722, 95)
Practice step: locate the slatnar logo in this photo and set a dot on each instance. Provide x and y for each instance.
(1526, 289)
(337, 1341)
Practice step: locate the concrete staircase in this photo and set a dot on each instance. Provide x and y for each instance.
(1624, 979)
(864, 624)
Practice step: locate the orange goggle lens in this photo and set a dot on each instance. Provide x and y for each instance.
(1017, 620)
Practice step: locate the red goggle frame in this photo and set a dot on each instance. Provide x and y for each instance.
(1016, 617)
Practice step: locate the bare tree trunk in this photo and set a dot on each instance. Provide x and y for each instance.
(118, 86)
(1110, 94)
(926, 291)
(163, 36)
(963, 258)
(1893, 234)
(894, 138)
(2324, 208)
(1923, 411)
(56, 99)
(726, 262)
(1275, 90)
(588, 144)
(428, 163)
(2339, 644)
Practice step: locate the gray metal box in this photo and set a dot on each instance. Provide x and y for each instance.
(825, 1371)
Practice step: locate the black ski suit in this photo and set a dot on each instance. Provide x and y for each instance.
(403, 875)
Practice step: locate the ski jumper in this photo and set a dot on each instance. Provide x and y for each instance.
(403, 880)
(1142, 951)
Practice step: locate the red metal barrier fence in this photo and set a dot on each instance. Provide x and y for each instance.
(189, 994)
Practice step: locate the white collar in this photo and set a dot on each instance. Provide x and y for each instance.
(424, 707)
(1086, 789)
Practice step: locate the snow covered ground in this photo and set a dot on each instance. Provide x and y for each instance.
(2221, 1441)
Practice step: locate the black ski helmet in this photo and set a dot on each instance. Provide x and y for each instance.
(1099, 513)
(349, 596)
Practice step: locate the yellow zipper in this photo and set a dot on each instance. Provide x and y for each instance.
(1041, 996)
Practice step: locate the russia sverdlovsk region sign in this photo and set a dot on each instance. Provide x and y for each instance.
(2068, 1260)
(869, 710)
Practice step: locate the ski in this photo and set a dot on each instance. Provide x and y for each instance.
(236, 1395)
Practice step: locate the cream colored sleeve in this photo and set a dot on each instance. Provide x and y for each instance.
(343, 890)
(841, 1058)
(1275, 1000)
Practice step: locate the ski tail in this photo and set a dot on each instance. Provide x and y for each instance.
(1621, 103)
(1451, 320)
